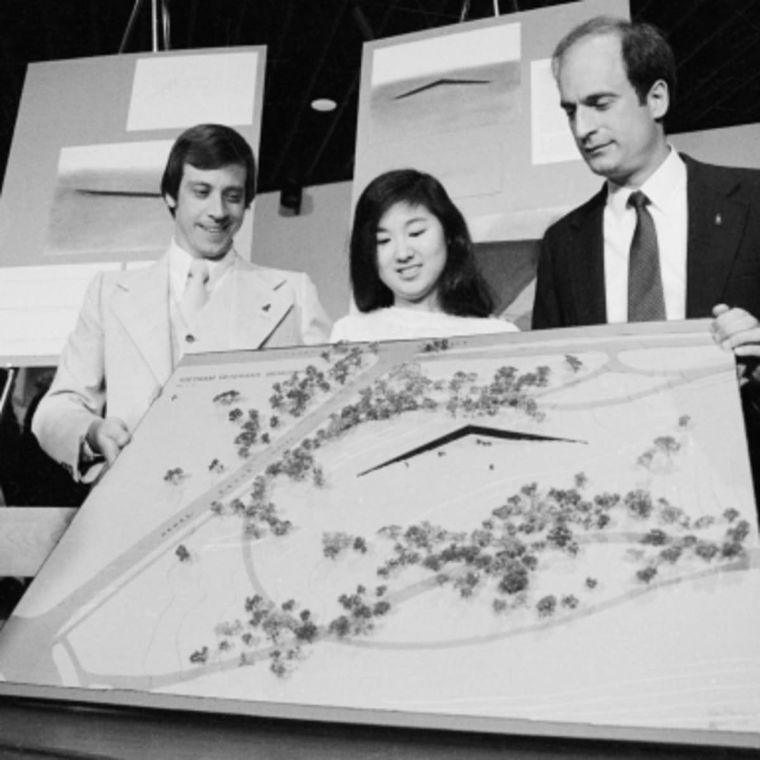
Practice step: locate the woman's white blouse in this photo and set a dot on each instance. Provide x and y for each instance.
(396, 323)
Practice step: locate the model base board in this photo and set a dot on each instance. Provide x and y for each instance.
(545, 533)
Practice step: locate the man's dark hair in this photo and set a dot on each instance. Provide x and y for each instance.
(647, 56)
(461, 290)
(209, 146)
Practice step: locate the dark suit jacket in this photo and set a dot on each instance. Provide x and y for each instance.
(722, 264)
(722, 260)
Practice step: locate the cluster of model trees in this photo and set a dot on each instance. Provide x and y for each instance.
(499, 560)
(258, 512)
(405, 389)
(500, 557)
(728, 535)
(661, 454)
(174, 475)
(506, 552)
(291, 397)
(360, 611)
(279, 632)
(336, 543)
(408, 389)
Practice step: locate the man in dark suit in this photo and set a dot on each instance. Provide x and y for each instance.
(722, 262)
(616, 80)
(696, 225)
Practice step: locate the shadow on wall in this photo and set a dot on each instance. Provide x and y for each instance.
(509, 267)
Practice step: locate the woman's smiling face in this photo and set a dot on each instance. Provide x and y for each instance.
(411, 255)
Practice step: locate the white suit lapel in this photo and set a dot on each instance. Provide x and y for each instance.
(141, 305)
(247, 306)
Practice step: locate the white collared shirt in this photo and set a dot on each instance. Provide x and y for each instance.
(179, 267)
(666, 190)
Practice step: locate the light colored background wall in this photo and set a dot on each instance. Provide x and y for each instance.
(730, 146)
(315, 242)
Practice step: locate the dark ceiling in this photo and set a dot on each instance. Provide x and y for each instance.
(314, 50)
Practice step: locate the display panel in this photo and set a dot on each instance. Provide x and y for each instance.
(82, 187)
(475, 105)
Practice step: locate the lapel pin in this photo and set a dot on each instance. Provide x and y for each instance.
(266, 307)
(718, 220)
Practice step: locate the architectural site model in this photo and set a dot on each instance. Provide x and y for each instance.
(543, 532)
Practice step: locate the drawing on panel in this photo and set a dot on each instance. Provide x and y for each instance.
(107, 201)
(441, 104)
(445, 101)
(446, 83)
(495, 527)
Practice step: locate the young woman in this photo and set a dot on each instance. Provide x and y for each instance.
(412, 266)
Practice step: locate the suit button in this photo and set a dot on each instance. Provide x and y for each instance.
(189, 338)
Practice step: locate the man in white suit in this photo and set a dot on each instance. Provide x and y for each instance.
(134, 326)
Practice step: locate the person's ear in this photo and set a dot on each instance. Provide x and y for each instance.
(170, 202)
(658, 99)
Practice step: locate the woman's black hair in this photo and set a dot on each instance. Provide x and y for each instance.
(461, 290)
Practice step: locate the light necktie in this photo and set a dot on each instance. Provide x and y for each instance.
(195, 296)
(646, 301)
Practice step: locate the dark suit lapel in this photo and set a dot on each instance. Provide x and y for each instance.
(586, 265)
(717, 218)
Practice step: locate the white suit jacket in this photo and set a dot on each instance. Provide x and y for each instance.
(119, 355)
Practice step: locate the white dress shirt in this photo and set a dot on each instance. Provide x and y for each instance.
(666, 190)
(179, 267)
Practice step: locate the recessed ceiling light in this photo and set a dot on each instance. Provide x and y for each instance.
(323, 104)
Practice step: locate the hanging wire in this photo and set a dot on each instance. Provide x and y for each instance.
(154, 25)
(130, 25)
(166, 24)
(159, 34)
(7, 388)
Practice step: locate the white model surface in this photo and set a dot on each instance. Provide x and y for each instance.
(554, 528)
